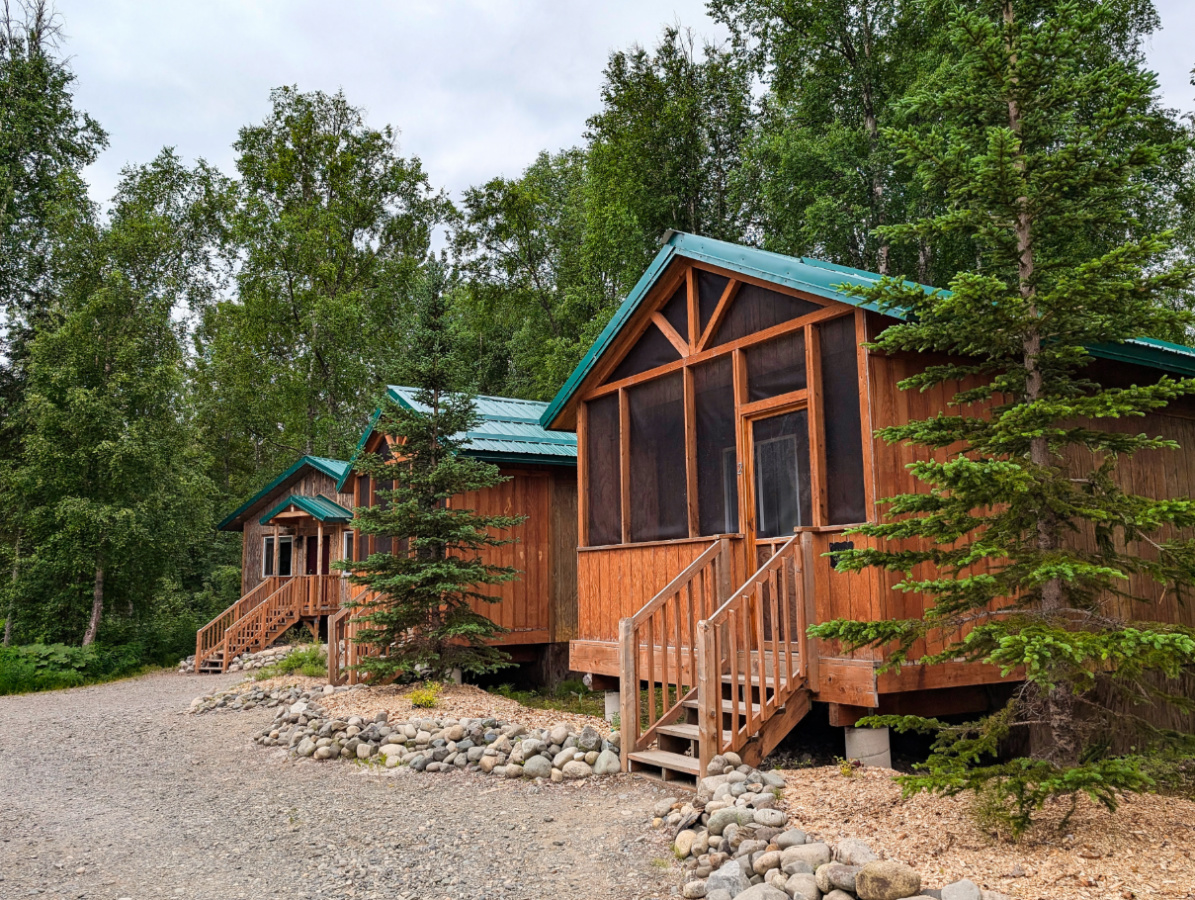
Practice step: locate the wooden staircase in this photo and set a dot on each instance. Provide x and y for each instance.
(705, 671)
(262, 616)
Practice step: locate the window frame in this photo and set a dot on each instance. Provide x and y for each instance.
(267, 557)
(745, 411)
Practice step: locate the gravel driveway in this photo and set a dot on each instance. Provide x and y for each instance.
(115, 792)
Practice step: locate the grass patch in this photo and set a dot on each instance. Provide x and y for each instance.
(309, 660)
(569, 697)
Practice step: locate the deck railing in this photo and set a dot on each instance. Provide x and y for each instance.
(211, 636)
(343, 649)
(753, 652)
(267, 620)
(658, 645)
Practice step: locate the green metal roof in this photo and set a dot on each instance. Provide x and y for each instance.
(334, 468)
(510, 432)
(816, 277)
(318, 507)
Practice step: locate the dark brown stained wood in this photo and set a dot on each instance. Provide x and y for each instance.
(624, 461)
(582, 479)
(869, 485)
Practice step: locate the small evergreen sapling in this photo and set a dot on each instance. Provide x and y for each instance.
(424, 582)
(1044, 134)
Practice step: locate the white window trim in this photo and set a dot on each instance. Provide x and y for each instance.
(346, 539)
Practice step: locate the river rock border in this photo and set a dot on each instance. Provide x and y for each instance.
(428, 744)
(734, 843)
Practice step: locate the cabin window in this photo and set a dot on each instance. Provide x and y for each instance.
(676, 311)
(717, 463)
(285, 556)
(776, 367)
(846, 502)
(363, 498)
(604, 472)
(755, 308)
(783, 489)
(347, 549)
(652, 351)
(382, 542)
(710, 288)
(659, 504)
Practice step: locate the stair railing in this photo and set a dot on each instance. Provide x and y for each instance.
(747, 667)
(659, 646)
(342, 630)
(266, 620)
(210, 637)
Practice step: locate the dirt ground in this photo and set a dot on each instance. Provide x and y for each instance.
(114, 791)
(1146, 849)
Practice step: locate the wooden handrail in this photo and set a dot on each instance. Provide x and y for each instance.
(677, 583)
(663, 632)
(746, 649)
(210, 637)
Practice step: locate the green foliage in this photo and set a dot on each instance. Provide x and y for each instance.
(426, 696)
(1042, 133)
(571, 696)
(424, 584)
(310, 661)
(47, 667)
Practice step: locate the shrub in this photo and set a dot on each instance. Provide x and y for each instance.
(310, 660)
(426, 696)
(47, 667)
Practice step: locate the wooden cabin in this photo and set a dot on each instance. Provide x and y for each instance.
(286, 579)
(725, 423)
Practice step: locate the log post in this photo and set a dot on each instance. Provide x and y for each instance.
(809, 605)
(709, 699)
(628, 717)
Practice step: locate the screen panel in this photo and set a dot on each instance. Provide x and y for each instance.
(659, 503)
(846, 499)
(776, 367)
(755, 308)
(709, 292)
(604, 473)
(676, 311)
(783, 488)
(717, 464)
(652, 350)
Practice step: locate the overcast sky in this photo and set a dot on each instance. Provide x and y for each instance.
(475, 87)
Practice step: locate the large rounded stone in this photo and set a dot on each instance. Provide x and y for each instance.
(794, 837)
(683, 845)
(576, 769)
(770, 818)
(693, 890)
(729, 877)
(733, 814)
(766, 861)
(608, 763)
(802, 886)
(887, 879)
(813, 855)
(962, 890)
(538, 767)
(836, 876)
(762, 892)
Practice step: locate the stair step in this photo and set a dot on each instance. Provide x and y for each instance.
(727, 706)
(689, 732)
(663, 759)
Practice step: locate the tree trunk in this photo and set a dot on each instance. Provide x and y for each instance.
(97, 607)
(1060, 743)
(12, 603)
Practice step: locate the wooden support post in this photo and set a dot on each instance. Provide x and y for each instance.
(628, 716)
(278, 551)
(319, 549)
(709, 697)
(812, 646)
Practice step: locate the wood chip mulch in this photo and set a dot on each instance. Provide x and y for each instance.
(1146, 849)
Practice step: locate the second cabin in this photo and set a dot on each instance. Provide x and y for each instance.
(725, 425)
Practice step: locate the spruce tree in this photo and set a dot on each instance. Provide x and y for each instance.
(1043, 132)
(421, 615)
